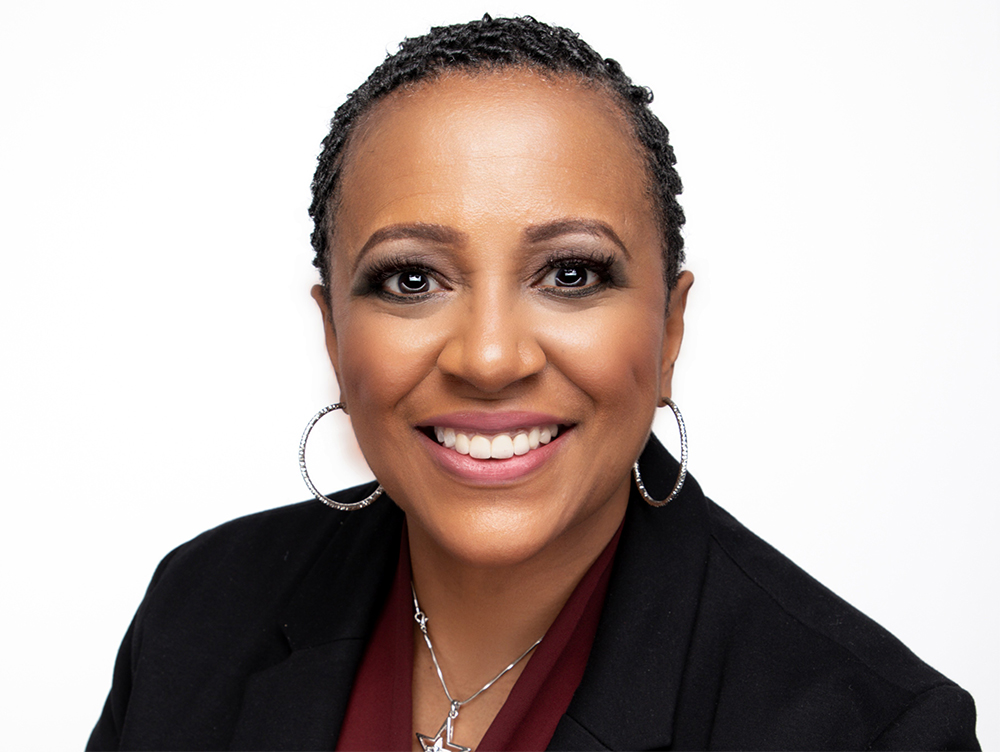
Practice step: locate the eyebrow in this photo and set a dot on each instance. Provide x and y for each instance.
(449, 236)
(416, 230)
(594, 227)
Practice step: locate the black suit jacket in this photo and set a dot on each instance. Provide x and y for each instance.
(250, 635)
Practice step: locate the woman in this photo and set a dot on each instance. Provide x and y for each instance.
(498, 237)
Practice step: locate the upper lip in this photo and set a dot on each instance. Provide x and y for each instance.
(483, 422)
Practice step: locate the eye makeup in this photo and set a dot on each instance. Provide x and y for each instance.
(570, 272)
(376, 273)
(606, 267)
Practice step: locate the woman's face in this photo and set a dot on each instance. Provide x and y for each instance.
(496, 269)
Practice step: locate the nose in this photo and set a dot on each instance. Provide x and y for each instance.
(493, 343)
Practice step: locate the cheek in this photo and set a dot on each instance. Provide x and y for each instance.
(382, 358)
(611, 352)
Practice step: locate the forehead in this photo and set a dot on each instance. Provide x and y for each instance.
(508, 146)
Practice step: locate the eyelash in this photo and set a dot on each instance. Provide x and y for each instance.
(602, 265)
(384, 269)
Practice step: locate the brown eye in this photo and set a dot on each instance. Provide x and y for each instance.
(414, 282)
(574, 275)
(411, 282)
(570, 276)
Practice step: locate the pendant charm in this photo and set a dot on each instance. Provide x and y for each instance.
(442, 742)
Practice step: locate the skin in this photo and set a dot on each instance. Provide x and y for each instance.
(517, 176)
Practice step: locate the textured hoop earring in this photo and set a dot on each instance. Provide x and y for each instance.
(305, 473)
(684, 462)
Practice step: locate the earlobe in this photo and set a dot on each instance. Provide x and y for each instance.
(673, 331)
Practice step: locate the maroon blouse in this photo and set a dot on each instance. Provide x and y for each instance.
(379, 713)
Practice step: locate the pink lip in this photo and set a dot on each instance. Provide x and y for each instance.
(491, 472)
(483, 422)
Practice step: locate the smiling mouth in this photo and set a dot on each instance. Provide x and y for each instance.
(495, 446)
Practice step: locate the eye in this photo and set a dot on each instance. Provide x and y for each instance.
(411, 282)
(573, 275)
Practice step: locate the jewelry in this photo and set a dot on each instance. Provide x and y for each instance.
(305, 473)
(684, 462)
(442, 741)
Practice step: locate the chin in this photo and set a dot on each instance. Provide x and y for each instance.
(504, 530)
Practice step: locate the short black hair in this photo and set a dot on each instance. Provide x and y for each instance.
(492, 44)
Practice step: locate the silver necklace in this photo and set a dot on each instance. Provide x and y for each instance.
(442, 742)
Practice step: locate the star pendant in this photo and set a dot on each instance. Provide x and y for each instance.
(442, 741)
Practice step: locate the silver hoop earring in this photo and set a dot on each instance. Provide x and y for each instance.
(305, 473)
(684, 462)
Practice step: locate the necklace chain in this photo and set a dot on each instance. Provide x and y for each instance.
(421, 618)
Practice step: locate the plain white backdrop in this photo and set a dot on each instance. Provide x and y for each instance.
(161, 353)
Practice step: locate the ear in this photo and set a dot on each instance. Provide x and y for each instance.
(673, 330)
(319, 295)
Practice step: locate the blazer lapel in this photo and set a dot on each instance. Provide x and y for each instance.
(299, 703)
(628, 694)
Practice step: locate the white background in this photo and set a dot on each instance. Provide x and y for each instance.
(161, 353)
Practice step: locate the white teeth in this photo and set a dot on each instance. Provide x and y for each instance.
(501, 446)
(479, 447)
(520, 444)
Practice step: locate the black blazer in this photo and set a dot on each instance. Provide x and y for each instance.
(250, 635)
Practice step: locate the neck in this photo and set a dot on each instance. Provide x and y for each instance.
(482, 617)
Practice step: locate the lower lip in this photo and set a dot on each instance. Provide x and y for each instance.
(491, 471)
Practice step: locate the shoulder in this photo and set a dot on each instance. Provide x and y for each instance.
(802, 656)
(239, 578)
(291, 533)
(711, 639)
(220, 609)
(258, 554)
(760, 580)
